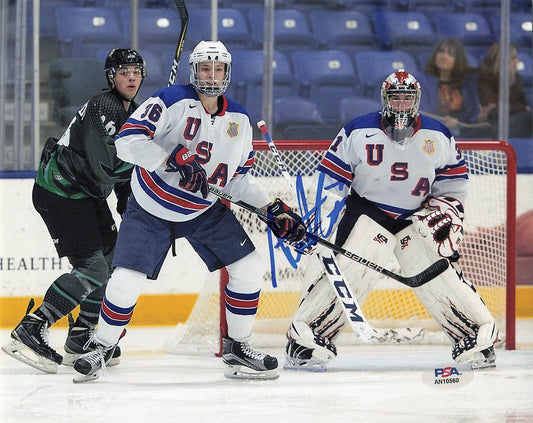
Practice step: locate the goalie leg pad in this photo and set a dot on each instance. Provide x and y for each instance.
(477, 350)
(307, 351)
(319, 307)
(451, 299)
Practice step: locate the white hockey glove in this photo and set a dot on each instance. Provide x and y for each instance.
(440, 224)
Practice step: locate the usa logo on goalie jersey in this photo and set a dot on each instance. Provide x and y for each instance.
(365, 159)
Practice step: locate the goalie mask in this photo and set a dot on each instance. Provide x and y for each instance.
(216, 53)
(400, 98)
(119, 58)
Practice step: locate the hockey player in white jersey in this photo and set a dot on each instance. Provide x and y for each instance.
(181, 140)
(405, 181)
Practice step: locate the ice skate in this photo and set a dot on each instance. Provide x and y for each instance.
(77, 339)
(307, 351)
(243, 362)
(91, 365)
(29, 344)
(478, 350)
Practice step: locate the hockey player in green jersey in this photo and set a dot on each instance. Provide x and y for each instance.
(75, 176)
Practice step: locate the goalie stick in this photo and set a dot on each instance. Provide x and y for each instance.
(342, 289)
(184, 18)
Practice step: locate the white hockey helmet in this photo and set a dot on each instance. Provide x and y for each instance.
(210, 51)
(400, 99)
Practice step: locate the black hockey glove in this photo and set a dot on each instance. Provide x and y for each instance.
(284, 223)
(122, 191)
(193, 176)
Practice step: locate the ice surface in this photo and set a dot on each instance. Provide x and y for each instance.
(363, 384)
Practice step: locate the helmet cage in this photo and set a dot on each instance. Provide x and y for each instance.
(400, 87)
(215, 52)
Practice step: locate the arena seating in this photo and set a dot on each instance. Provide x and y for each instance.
(378, 36)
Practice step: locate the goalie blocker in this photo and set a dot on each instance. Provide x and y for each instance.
(450, 299)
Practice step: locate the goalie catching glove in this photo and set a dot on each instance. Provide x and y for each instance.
(440, 224)
(285, 223)
(193, 176)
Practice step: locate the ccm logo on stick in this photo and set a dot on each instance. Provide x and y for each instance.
(340, 285)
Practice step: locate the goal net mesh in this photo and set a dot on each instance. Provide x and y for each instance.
(486, 256)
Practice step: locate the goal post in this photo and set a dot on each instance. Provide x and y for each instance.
(488, 254)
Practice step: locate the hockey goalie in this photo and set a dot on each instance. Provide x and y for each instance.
(404, 182)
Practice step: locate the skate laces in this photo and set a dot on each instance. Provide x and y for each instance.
(97, 355)
(43, 332)
(250, 352)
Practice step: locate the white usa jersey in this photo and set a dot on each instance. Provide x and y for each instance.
(397, 179)
(222, 144)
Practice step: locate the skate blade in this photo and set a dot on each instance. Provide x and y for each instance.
(243, 372)
(482, 365)
(308, 367)
(22, 353)
(81, 378)
(69, 360)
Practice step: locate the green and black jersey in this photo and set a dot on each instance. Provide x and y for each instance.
(83, 162)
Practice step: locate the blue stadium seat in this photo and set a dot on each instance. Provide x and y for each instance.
(525, 67)
(247, 77)
(82, 31)
(344, 29)
(363, 6)
(472, 29)
(299, 118)
(374, 66)
(325, 77)
(353, 106)
(427, 6)
(250, 4)
(158, 28)
(408, 31)
(520, 27)
(521, 6)
(232, 28)
(73, 81)
(486, 7)
(291, 30)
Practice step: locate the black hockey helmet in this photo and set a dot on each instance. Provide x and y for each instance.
(119, 57)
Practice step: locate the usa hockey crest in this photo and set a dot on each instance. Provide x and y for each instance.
(233, 129)
(429, 147)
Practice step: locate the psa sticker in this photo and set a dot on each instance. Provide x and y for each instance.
(447, 377)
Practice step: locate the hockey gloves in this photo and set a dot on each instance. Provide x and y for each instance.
(306, 246)
(193, 176)
(284, 223)
(440, 224)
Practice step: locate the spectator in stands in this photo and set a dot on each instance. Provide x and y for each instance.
(520, 119)
(450, 85)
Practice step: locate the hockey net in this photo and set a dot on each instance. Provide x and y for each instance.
(487, 255)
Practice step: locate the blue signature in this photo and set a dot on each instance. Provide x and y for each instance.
(318, 224)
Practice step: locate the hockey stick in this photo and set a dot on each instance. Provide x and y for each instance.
(360, 326)
(414, 281)
(184, 18)
(342, 289)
